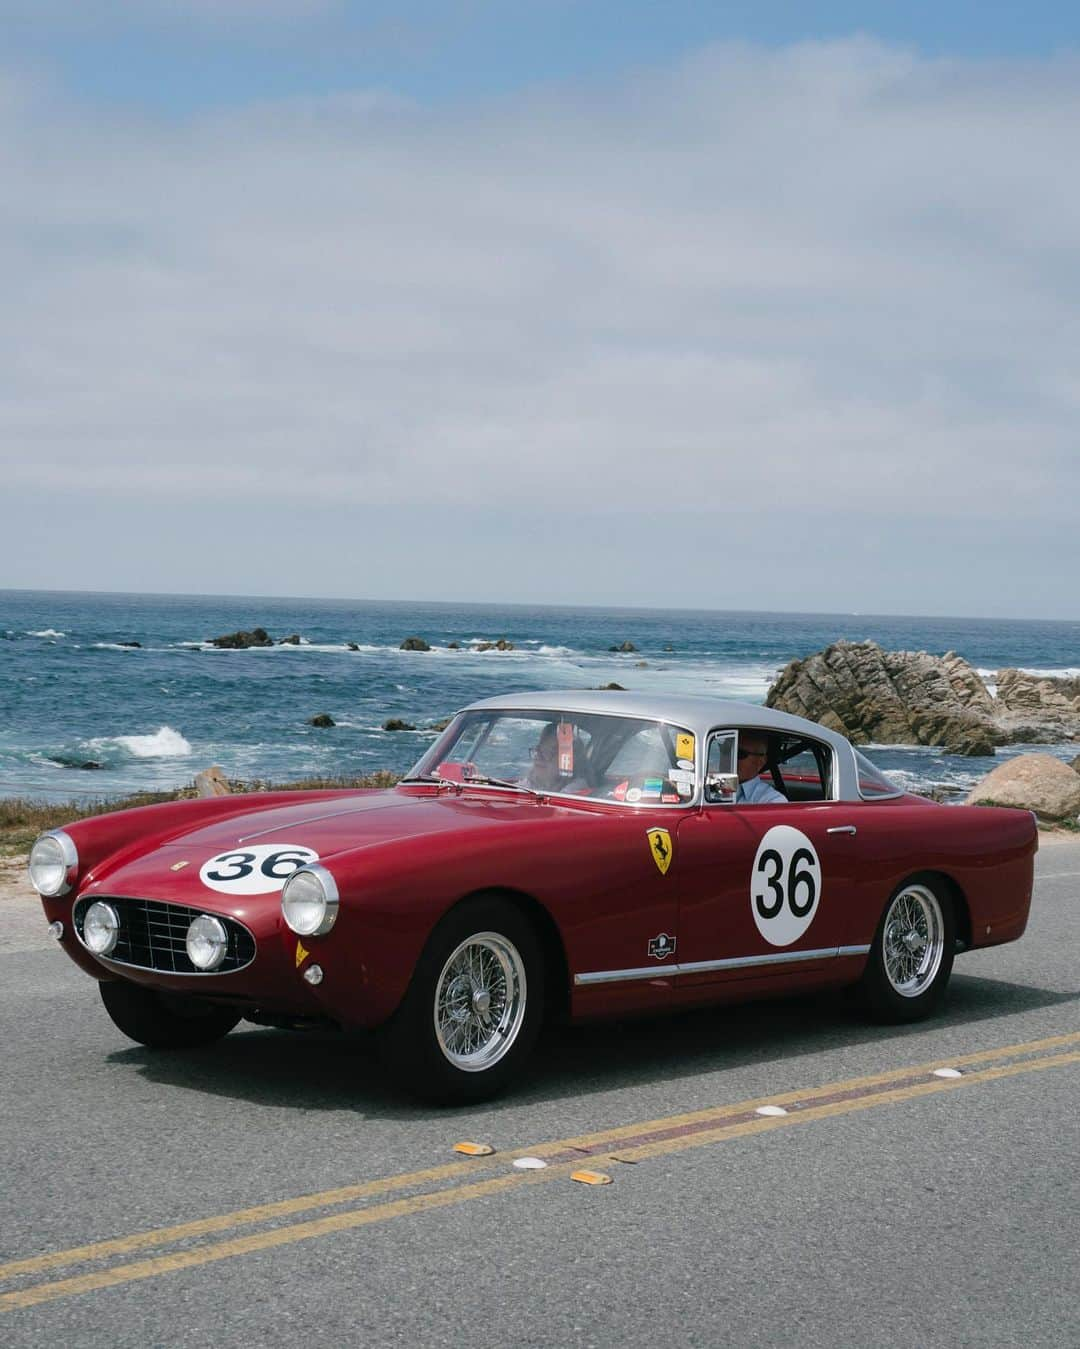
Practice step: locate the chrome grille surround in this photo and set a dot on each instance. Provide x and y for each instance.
(153, 934)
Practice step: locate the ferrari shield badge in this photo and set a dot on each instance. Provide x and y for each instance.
(660, 847)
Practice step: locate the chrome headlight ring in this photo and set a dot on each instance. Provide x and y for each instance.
(310, 901)
(53, 864)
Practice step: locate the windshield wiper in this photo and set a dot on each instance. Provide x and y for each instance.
(473, 780)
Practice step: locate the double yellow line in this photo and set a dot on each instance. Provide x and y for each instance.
(441, 1186)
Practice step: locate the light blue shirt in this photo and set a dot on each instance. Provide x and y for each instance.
(758, 793)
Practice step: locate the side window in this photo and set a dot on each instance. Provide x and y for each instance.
(873, 783)
(802, 775)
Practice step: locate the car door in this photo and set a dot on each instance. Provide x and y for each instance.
(766, 891)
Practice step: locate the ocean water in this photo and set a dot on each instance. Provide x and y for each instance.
(84, 716)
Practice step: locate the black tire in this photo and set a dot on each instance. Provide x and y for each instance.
(912, 954)
(474, 1007)
(162, 1021)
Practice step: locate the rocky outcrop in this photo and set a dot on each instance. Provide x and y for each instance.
(625, 647)
(890, 697)
(911, 697)
(501, 645)
(238, 641)
(212, 782)
(1037, 782)
(396, 724)
(414, 644)
(323, 720)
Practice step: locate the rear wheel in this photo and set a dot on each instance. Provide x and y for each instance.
(163, 1021)
(473, 1010)
(912, 955)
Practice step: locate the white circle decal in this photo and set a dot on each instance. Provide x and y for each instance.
(255, 869)
(785, 885)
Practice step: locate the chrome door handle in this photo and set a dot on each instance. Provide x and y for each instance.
(841, 829)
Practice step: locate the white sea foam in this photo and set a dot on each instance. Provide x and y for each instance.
(46, 632)
(1036, 672)
(165, 743)
(557, 651)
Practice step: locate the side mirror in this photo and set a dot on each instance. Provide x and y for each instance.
(721, 788)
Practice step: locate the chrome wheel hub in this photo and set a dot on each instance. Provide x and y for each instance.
(480, 1001)
(914, 940)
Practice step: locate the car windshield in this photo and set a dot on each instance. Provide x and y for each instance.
(628, 760)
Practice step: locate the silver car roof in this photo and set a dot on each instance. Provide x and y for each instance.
(694, 713)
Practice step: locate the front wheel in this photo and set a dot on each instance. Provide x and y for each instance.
(912, 954)
(162, 1021)
(473, 1010)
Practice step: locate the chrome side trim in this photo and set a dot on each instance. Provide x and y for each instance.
(746, 962)
(704, 966)
(617, 976)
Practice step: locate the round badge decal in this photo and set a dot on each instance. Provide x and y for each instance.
(258, 869)
(785, 885)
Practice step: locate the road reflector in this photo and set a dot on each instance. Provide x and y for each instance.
(947, 1072)
(770, 1110)
(530, 1163)
(590, 1177)
(474, 1149)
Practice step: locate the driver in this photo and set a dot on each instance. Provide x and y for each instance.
(753, 751)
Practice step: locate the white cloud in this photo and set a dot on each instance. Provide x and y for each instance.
(833, 275)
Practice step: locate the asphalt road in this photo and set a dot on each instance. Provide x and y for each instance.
(910, 1209)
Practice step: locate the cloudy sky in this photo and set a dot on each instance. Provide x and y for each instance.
(768, 305)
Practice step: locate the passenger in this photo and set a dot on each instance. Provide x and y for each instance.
(544, 775)
(753, 751)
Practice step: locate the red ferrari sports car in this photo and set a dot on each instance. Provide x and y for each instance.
(558, 853)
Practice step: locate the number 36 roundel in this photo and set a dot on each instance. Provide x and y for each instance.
(257, 869)
(785, 885)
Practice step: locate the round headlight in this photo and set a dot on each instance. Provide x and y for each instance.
(206, 942)
(54, 863)
(309, 901)
(101, 928)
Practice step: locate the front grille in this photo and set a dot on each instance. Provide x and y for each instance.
(152, 935)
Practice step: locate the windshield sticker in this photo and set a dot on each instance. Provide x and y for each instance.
(687, 763)
(684, 788)
(785, 885)
(684, 745)
(259, 869)
(633, 794)
(681, 775)
(660, 848)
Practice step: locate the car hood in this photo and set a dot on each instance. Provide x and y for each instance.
(325, 828)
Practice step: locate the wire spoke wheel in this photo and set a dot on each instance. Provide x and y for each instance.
(480, 1000)
(913, 941)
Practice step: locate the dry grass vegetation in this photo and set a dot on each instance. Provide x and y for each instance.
(21, 820)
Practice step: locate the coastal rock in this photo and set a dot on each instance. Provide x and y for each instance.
(440, 725)
(612, 687)
(322, 719)
(353, 646)
(453, 646)
(414, 644)
(1037, 782)
(212, 782)
(1075, 764)
(501, 645)
(238, 641)
(626, 647)
(889, 697)
(292, 640)
(136, 644)
(396, 724)
(1036, 708)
